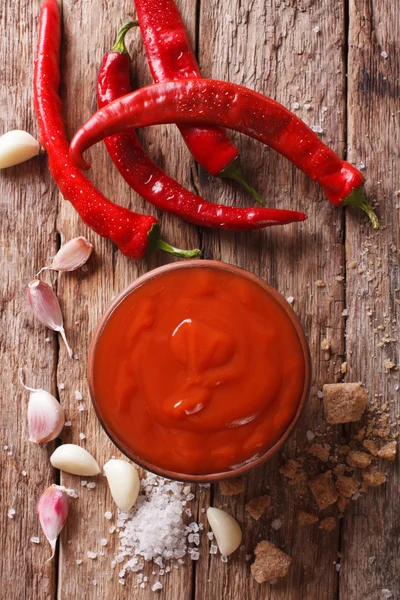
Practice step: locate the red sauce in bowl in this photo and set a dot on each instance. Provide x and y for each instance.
(198, 370)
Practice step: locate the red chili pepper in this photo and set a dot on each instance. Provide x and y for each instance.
(151, 182)
(171, 58)
(233, 106)
(133, 234)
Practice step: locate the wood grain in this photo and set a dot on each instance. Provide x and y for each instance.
(372, 287)
(270, 46)
(28, 238)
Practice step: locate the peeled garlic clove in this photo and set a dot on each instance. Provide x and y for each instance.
(226, 530)
(52, 509)
(45, 416)
(124, 483)
(45, 306)
(71, 256)
(74, 459)
(16, 147)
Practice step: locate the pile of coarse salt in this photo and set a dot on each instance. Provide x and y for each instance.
(155, 531)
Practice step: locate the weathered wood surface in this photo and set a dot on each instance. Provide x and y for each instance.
(270, 46)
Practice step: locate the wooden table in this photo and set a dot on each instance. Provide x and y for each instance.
(340, 55)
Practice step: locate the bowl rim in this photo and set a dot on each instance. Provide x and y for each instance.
(199, 264)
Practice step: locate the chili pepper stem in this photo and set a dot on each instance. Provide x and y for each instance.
(357, 198)
(233, 171)
(156, 242)
(119, 44)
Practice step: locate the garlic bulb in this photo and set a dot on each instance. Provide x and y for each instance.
(52, 509)
(74, 459)
(124, 483)
(45, 306)
(71, 256)
(226, 530)
(16, 147)
(45, 416)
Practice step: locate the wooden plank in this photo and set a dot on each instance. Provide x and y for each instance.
(28, 238)
(371, 530)
(89, 31)
(271, 47)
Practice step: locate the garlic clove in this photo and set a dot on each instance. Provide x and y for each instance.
(52, 509)
(45, 306)
(16, 147)
(74, 459)
(226, 530)
(71, 256)
(124, 483)
(45, 416)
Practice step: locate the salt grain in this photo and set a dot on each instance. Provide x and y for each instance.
(11, 513)
(35, 540)
(229, 18)
(61, 386)
(213, 549)
(156, 586)
(82, 436)
(295, 106)
(79, 561)
(78, 396)
(361, 166)
(317, 128)
(386, 593)
(371, 560)
(290, 299)
(81, 407)
(224, 558)
(47, 340)
(307, 106)
(385, 55)
(83, 482)
(276, 524)
(210, 535)
(108, 515)
(91, 555)
(94, 582)
(324, 109)
(103, 542)
(68, 423)
(310, 435)
(316, 29)
(76, 356)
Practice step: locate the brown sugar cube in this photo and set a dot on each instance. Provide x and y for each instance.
(373, 478)
(270, 562)
(371, 447)
(306, 518)
(257, 506)
(344, 402)
(325, 345)
(323, 489)
(343, 449)
(320, 451)
(339, 470)
(231, 487)
(342, 503)
(347, 486)
(328, 524)
(359, 436)
(357, 459)
(388, 452)
(290, 468)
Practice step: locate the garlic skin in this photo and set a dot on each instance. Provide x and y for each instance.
(71, 256)
(75, 460)
(226, 530)
(124, 483)
(45, 416)
(16, 147)
(52, 509)
(45, 306)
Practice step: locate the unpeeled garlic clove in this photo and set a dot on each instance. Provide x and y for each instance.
(16, 147)
(45, 416)
(45, 306)
(74, 459)
(124, 483)
(71, 256)
(52, 509)
(226, 530)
